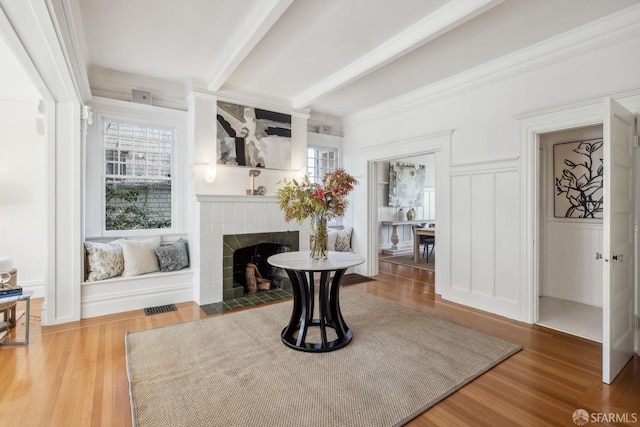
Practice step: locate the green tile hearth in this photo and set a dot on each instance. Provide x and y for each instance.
(247, 301)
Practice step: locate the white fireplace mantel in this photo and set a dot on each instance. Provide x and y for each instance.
(203, 198)
(221, 215)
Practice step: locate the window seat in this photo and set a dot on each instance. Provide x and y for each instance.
(107, 291)
(119, 294)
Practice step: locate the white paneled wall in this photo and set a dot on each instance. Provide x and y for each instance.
(507, 227)
(484, 266)
(220, 215)
(571, 270)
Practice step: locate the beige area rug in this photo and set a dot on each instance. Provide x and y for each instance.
(233, 370)
(409, 262)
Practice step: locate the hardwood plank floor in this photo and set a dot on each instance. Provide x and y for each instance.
(75, 374)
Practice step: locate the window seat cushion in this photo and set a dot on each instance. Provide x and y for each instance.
(133, 257)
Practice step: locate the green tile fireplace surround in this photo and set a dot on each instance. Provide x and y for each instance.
(233, 242)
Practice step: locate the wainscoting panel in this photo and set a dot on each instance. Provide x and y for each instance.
(507, 228)
(484, 223)
(461, 233)
(482, 215)
(571, 271)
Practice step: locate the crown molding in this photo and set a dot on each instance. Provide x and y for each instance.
(432, 26)
(612, 29)
(114, 84)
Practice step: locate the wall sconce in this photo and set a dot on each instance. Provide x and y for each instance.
(210, 173)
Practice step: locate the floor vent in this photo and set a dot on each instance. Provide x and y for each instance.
(160, 309)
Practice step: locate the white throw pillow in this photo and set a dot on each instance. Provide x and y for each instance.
(332, 235)
(140, 256)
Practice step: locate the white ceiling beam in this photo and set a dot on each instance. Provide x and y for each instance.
(430, 27)
(252, 30)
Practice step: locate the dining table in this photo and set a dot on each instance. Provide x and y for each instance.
(417, 232)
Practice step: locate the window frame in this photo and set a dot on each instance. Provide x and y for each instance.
(338, 220)
(317, 147)
(95, 164)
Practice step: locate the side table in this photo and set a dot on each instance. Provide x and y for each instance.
(9, 303)
(299, 266)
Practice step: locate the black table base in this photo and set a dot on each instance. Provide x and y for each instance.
(328, 311)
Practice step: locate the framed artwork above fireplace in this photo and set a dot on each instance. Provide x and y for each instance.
(248, 136)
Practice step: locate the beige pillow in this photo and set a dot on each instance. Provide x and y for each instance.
(104, 260)
(140, 256)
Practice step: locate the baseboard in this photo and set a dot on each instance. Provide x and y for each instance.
(126, 294)
(37, 286)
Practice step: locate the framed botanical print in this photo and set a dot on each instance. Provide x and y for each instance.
(578, 179)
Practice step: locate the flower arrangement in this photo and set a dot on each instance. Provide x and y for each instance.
(303, 199)
(300, 200)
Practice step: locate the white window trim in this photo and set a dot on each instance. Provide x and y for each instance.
(94, 205)
(322, 147)
(338, 220)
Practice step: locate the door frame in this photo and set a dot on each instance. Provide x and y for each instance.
(436, 143)
(532, 125)
(581, 114)
(43, 57)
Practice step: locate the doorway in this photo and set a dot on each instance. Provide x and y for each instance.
(405, 197)
(436, 143)
(570, 231)
(23, 211)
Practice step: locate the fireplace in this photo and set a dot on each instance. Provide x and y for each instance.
(252, 271)
(245, 262)
(236, 217)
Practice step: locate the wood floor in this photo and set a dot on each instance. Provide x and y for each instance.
(75, 375)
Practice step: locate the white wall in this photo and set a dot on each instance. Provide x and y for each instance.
(22, 189)
(486, 214)
(22, 173)
(569, 269)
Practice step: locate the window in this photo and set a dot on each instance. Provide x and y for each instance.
(135, 171)
(320, 160)
(138, 180)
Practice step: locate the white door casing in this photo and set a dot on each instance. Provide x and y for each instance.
(618, 240)
(437, 143)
